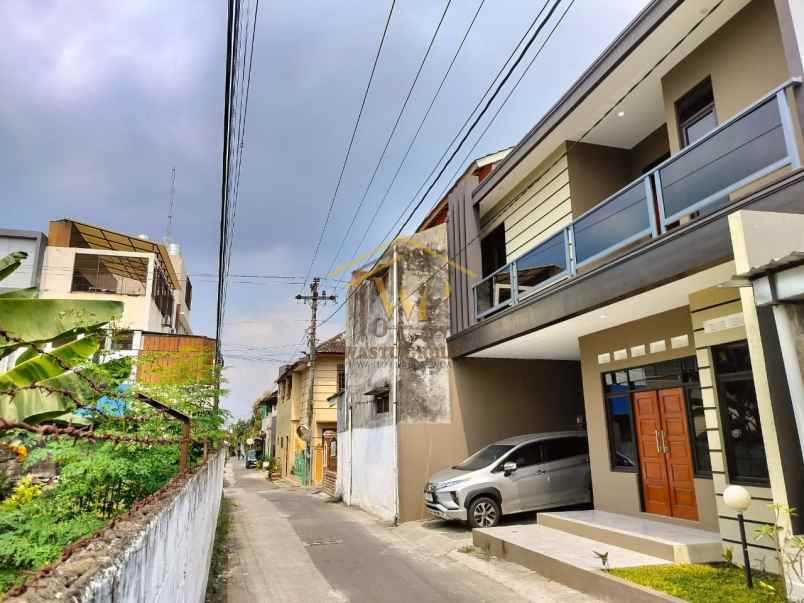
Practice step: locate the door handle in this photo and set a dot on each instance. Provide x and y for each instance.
(665, 449)
(658, 443)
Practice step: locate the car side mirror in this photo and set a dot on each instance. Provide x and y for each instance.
(509, 468)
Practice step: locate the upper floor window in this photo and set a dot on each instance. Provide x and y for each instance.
(341, 377)
(492, 249)
(118, 274)
(162, 295)
(696, 113)
(188, 293)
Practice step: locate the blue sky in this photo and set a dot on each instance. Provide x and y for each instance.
(101, 99)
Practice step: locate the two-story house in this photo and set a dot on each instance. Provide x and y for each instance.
(84, 261)
(603, 240)
(292, 403)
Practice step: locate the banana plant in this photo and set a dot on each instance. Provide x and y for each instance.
(43, 386)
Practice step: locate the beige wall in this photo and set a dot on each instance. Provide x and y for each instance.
(491, 399)
(649, 150)
(536, 209)
(614, 491)
(595, 173)
(745, 60)
(292, 410)
(139, 311)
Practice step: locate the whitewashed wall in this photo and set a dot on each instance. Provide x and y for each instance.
(371, 485)
(168, 562)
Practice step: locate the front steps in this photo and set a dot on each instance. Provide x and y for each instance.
(675, 543)
(562, 547)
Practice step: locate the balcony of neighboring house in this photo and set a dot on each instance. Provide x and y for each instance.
(82, 260)
(645, 156)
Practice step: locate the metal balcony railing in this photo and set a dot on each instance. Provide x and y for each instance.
(698, 180)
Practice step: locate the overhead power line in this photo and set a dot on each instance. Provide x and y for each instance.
(351, 143)
(474, 123)
(390, 136)
(580, 139)
(465, 123)
(421, 125)
(225, 161)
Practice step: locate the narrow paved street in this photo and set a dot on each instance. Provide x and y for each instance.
(292, 545)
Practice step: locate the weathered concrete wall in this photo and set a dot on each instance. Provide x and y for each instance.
(160, 552)
(421, 378)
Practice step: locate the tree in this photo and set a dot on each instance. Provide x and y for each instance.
(45, 384)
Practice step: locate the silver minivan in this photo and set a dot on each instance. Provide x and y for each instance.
(523, 473)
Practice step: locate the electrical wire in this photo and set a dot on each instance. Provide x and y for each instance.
(608, 112)
(390, 136)
(465, 123)
(351, 144)
(474, 123)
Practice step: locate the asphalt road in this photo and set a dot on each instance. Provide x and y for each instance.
(291, 545)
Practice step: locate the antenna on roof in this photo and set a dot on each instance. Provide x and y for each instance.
(169, 230)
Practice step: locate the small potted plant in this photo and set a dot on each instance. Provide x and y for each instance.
(272, 466)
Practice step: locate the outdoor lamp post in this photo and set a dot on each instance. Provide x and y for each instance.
(738, 498)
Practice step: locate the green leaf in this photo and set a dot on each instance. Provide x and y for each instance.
(26, 355)
(29, 293)
(36, 405)
(24, 321)
(52, 364)
(11, 262)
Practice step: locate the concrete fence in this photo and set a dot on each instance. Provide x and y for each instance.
(161, 554)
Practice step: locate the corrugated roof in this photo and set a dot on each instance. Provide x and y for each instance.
(795, 258)
(334, 345)
(97, 237)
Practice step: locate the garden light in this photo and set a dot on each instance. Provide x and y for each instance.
(739, 499)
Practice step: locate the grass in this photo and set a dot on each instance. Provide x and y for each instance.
(216, 585)
(705, 583)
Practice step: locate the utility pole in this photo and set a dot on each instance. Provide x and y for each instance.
(313, 298)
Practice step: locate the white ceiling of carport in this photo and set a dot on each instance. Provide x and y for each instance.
(560, 341)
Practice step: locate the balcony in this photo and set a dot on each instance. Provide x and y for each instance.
(698, 180)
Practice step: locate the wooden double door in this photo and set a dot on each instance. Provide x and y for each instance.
(665, 453)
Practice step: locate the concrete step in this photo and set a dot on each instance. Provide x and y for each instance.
(570, 560)
(671, 542)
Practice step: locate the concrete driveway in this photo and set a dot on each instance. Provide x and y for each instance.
(289, 544)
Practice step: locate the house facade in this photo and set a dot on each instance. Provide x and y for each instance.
(292, 399)
(603, 240)
(264, 414)
(408, 411)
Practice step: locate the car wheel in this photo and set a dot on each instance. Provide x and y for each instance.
(484, 512)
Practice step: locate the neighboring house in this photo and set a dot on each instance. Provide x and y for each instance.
(81, 261)
(613, 254)
(264, 413)
(31, 242)
(406, 413)
(90, 262)
(27, 275)
(292, 400)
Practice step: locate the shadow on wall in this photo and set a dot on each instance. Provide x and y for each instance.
(499, 398)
